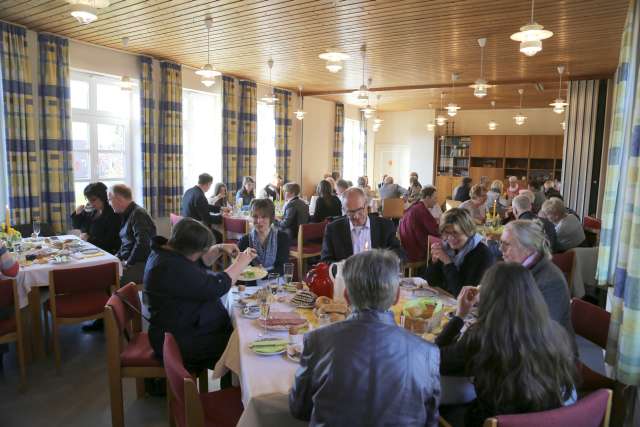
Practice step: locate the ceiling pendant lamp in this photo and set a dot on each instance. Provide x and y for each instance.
(559, 104)
(362, 94)
(368, 110)
(334, 56)
(300, 113)
(126, 84)
(441, 120)
(208, 73)
(452, 107)
(520, 118)
(86, 11)
(480, 86)
(563, 125)
(377, 122)
(492, 124)
(270, 99)
(531, 35)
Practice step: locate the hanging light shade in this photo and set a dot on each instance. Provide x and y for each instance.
(362, 94)
(431, 126)
(208, 73)
(440, 119)
(334, 60)
(531, 35)
(480, 86)
(86, 11)
(492, 124)
(452, 107)
(300, 112)
(520, 118)
(368, 111)
(563, 125)
(559, 104)
(271, 98)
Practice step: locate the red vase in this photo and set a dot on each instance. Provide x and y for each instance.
(319, 281)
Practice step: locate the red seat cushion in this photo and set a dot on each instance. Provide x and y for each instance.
(139, 352)
(222, 408)
(7, 326)
(81, 304)
(309, 248)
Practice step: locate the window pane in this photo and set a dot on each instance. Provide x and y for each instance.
(110, 137)
(79, 94)
(81, 165)
(112, 99)
(110, 165)
(78, 187)
(266, 164)
(80, 133)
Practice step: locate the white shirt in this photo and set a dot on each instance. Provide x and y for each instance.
(360, 237)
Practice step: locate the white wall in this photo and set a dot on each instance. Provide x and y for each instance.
(540, 121)
(409, 129)
(317, 142)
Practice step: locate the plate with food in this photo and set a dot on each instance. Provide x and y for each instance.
(252, 273)
(294, 352)
(411, 283)
(281, 321)
(268, 346)
(422, 315)
(304, 299)
(335, 311)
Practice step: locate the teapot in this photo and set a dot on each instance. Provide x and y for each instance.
(319, 280)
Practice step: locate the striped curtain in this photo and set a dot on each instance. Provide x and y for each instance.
(619, 252)
(17, 98)
(338, 140)
(247, 134)
(283, 133)
(363, 142)
(229, 135)
(170, 142)
(148, 137)
(56, 147)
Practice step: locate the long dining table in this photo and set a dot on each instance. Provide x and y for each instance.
(265, 381)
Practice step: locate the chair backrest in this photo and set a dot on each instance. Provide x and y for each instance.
(392, 208)
(592, 411)
(592, 223)
(174, 219)
(312, 232)
(175, 370)
(565, 261)
(235, 225)
(590, 321)
(450, 204)
(83, 279)
(126, 318)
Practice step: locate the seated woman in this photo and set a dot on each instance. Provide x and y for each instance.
(461, 258)
(246, 194)
(97, 221)
(183, 293)
(219, 198)
(569, 230)
(477, 204)
(516, 368)
(327, 205)
(271, 245)
(413, 193)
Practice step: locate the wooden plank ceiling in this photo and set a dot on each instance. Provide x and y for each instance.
(410, 43)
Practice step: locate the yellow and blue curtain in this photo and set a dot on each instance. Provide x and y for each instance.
(338, 140)
(229, 135)
(56, 146)
(170, 141)
(362, 146)
(283, 133)
(148, 137)
(619, 251)
(17, 100)
(247, 131)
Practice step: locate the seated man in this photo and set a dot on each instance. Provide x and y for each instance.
(357, 231)
(136, 232)
(366, 369)
(272, 190)
(522, 209)
(296, 211)
(389, 190)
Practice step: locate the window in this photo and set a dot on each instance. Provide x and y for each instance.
(353, 159)
(201, 136)
(101, 131)
(266, 167)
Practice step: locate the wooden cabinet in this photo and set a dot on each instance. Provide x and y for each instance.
(558, 146)
(542, 147)
(445, 185)
(516, 146)
(488, 146)
(491, 173)
(478, 146)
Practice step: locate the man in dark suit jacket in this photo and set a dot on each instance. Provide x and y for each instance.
(296, 211)
(357, 231)
(195, 205)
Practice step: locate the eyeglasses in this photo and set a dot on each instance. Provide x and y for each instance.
(452, 235)
(354, 212)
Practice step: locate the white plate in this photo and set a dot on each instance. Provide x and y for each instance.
(90, 251)
(284, 349)
(259, 273)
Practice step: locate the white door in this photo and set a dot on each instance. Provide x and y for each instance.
(392, 160)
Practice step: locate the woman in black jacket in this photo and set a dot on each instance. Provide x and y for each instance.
(520, 359)
(183, 293)
(327, 205)
(461, 258)
(97, 221)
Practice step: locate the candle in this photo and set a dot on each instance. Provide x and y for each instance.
(494, 208)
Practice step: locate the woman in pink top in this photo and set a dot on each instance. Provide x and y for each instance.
(417, 224)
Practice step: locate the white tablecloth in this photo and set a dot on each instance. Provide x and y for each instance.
(38, 274)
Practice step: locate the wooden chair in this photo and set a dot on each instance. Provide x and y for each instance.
(309, 244)
(392, 208)
(190, 409)
(450, 204)
(566, 262)
(11, 328)
(592, 411)
(77, 295)
(233, 225)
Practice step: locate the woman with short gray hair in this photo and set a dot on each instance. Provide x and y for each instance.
(568, 227)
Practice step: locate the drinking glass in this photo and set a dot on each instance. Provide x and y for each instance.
(288, 272)
(265, 308)
(36, 228)
(272, 280)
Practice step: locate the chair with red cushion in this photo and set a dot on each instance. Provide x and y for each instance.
(592, 411)
(309, 244)
(592, 226)
(566, 262)
(233, 225)
(77, 295)
(218, 408)
(11, 328)
(174, 219)
(592, 223)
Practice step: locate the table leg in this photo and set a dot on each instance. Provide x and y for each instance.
(36, 323)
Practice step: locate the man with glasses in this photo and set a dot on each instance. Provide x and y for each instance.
(358, 231)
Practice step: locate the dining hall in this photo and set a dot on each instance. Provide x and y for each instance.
(282, 213)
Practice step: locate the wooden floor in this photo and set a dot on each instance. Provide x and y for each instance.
(79, 397)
